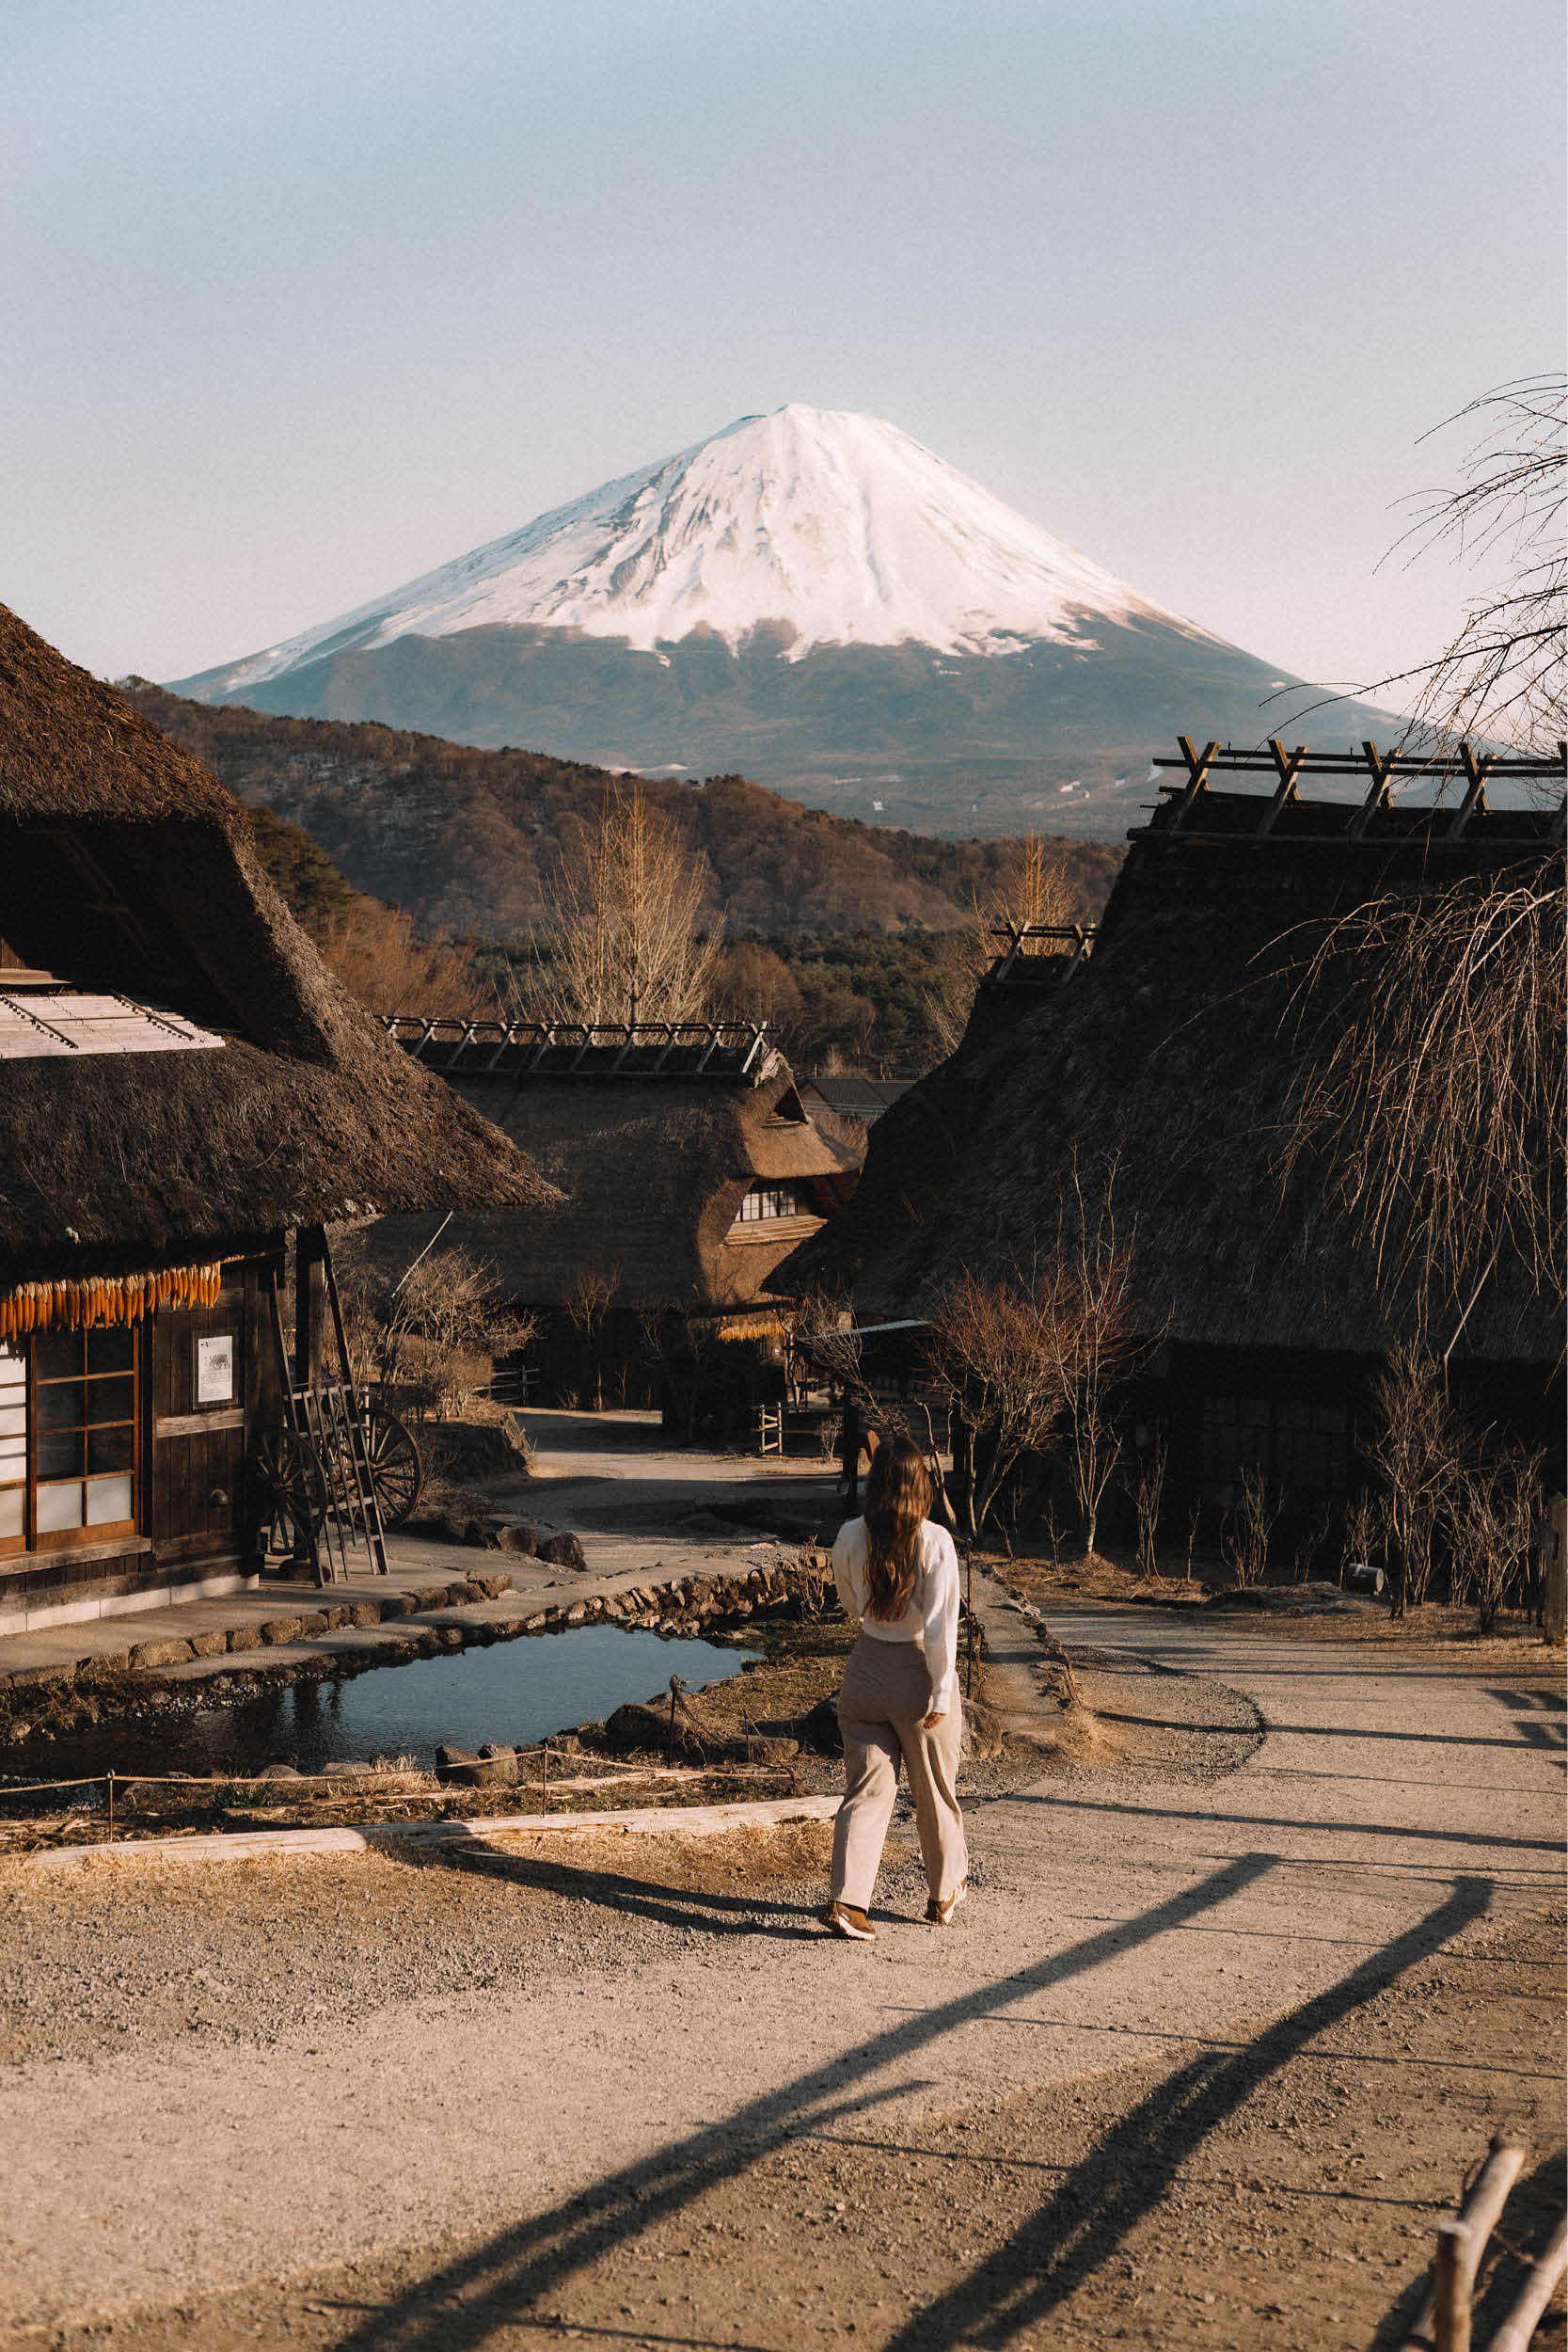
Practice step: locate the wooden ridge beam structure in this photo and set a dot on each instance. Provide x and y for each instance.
(647, 1049)
(1197, 771)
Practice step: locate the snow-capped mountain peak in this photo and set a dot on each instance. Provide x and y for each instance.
(831, 527)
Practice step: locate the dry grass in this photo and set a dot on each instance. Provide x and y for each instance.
(727, 1862)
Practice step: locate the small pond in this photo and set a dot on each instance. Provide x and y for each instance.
(510, 1692)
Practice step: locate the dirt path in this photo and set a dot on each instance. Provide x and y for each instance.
(343, 2062)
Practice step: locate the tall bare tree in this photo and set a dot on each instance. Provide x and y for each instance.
(1036, 892)
(627, 941)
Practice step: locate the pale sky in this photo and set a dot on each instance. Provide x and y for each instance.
(303, 297)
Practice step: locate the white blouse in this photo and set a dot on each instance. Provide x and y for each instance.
(932, 1615)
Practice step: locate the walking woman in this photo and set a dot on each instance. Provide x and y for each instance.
(897, 1576)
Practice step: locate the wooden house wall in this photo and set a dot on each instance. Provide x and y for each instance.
(195, 1509)
(199, 1514)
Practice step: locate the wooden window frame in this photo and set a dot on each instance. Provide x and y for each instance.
(100, 1531)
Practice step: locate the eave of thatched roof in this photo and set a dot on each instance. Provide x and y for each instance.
(1167, 1057)
(652, 1171)
(124, 867)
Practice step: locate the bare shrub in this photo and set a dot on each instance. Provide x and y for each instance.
(430, 1338)
(1492, 1517)
(586, 1302)
(1147, 1491)
(1019, 1356)
(1363, 1532)
(1417, 1449)
(1248, 1526)
(996, 1349)
(1309, 1542)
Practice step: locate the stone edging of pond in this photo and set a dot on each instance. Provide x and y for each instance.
(153, 1677)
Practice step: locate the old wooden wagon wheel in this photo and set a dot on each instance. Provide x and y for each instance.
(397, 1473)
(291, 1491)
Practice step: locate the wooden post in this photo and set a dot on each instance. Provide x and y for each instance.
(1445, 2315)
(1456, 2268)
(310, 1304)
(1554, 1579)
(1518, 2327)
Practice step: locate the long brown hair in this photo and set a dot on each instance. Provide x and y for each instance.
(898, 1497)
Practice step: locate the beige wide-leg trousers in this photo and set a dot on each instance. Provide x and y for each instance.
(886, 1694)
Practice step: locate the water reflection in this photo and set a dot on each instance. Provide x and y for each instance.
(510, 1692)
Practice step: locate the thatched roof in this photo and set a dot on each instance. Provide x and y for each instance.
(654, 1169)
(125, 868)
(1169, 1051)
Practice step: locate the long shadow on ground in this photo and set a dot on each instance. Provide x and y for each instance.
(1088, 2218)
(495, 2284)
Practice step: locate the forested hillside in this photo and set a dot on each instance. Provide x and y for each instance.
(465, 840)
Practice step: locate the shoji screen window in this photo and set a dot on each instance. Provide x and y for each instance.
(84, 1400)
(13, 1445)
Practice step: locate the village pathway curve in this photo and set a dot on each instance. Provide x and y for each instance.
(1391, 1799)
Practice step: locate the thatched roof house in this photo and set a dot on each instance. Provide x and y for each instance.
(1161, 1062)
(688, 1167)
(181, 1080)
(686, 1163)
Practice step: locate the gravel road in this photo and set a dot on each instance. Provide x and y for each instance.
(264, 2069)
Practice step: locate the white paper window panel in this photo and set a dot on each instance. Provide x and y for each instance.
(13, 1370)
(10, 1510)
(59, 1508)
(13, 1421)
(13, 1456)
(108, 1499)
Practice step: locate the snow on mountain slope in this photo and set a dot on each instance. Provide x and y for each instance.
(837, 528)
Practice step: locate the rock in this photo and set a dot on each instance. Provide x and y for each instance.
(819, 1732)
(146, 1655)
(517, 1535)
(453, 1636)
(34, 1678)
(345, 1771)
(105, 1662)
(279, 1771)
(209, 1645)
(280, 1629)
(244, 1637)
(491, 1771)
(983, 1733)
(464, 1594)
(362, 1613)
(313, 1621)
(562, 1550)
(576, 1613)
(491, 1587)
(635, 1729)
(537, 1623)
(502, 1763)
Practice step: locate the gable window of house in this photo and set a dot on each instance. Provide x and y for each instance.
(768, 1201)
(68, 1437)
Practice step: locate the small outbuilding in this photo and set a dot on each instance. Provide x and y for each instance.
(182, 1086)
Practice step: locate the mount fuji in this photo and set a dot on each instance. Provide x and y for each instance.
(811, 598)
